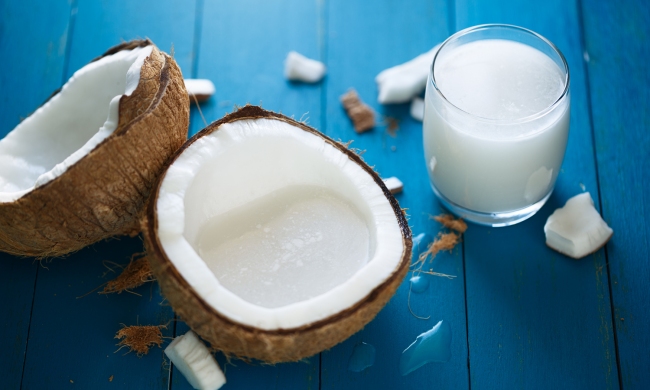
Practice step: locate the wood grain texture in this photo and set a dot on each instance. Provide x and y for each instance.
(254, 375)
(17, 279)
(538, 319)
(243, 47)
(363, 38)
(242, 50)
(102, 24)
(617, 36)
(30, 72)
(72, 337)
(71, 340)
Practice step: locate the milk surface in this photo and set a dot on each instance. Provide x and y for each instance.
(295, 244)
(497, 147)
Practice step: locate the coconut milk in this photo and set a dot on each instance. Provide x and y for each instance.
(495, 142)
(289, 246)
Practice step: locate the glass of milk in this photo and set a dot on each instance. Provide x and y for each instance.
(496, 123)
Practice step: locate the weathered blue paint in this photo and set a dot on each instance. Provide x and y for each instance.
(538, 319)
(72, 336)
(530, 317)
(617, 37)
(363, 38)
(32, 67)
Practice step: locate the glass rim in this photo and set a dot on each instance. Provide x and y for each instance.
(524, 119)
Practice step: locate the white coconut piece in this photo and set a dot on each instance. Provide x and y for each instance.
(201, 89)
(300, 68)
(577, 229)
(195, 362)
(401, 83)
(394, 185)
(417, 109)
(48, 142)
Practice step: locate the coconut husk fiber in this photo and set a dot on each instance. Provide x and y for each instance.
(280, 345)
(104, 193)
(139, 338)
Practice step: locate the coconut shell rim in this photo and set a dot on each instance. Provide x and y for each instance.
(150, 223)
(163, 83)
(130, 45)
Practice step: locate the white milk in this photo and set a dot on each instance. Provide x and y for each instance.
(505, 160)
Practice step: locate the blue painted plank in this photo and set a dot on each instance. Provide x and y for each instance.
(617, 39)
(72, 340)
(100, 25)
(254, 375)
(242, 48)
(363, 38)
(538, 319)
(31, 69)
(17, 278)
(33, 63)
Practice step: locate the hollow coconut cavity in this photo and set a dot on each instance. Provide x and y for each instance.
(80, 168)
(273, 241)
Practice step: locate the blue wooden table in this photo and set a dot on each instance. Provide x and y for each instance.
(522, 315)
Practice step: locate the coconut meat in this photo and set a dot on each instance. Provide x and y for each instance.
(577, 229)
(195, 362)
(273, 226)
(68, 126)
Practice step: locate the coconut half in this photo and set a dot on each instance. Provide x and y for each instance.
(80, 168)
(273, 241)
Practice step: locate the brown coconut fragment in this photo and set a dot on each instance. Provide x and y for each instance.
(452, 223)
(139, 338)
(104, 193)
(135, 274)
(392, 126)
(362, 116)
(277, 345)
(444, 242)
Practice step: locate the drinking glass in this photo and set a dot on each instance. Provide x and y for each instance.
(496, 123)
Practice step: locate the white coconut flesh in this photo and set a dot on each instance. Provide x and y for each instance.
(70, 125)
(195, 362)
(577, 229)
(273, 226)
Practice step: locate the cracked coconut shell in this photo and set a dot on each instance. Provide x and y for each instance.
(248, 335)
(103, 193)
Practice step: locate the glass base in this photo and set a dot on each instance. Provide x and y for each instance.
(498, 219)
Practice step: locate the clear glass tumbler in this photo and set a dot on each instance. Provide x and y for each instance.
(496, 123)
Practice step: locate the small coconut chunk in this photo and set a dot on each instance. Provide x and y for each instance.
(417, 109)
(401, 83)
(362, 116)
(300, 68)
(195, 362)
(202, 89)
(394, 185)
(577, 229)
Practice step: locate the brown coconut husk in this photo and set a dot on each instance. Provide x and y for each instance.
(271, 346)
(139, 338)
(104, 193)
(135, 274)
(362, 116)
(452, 223)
